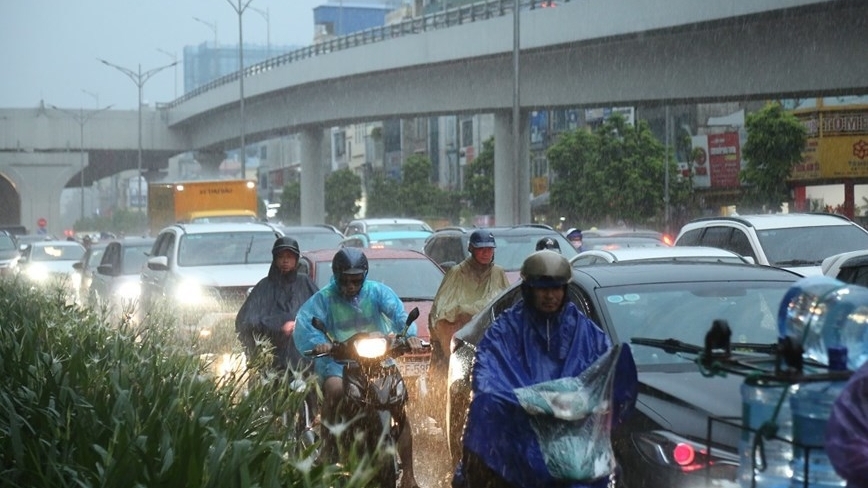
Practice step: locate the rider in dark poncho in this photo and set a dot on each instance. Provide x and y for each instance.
(270, 309)
(548, 386)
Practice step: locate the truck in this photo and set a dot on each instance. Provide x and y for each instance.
(200, 202)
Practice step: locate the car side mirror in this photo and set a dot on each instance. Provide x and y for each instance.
(158, 263)
(105, 269)
(77, 266)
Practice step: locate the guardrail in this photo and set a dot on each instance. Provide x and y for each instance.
(475, 12)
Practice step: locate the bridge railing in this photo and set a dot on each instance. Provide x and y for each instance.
(475, 12)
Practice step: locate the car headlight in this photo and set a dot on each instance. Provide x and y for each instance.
(190, 292)
(37, 272)
(460, 361)
(675, 452)
(371, 347)
(129, 290)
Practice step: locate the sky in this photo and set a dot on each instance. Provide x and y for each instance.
(49, 48)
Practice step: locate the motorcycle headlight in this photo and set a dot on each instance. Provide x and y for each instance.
(37, 272)
(190, 292)
(371, 347)
(129, 290)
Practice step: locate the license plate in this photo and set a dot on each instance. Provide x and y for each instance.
(413, 367)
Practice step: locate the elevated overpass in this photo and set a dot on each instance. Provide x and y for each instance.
(584, 53)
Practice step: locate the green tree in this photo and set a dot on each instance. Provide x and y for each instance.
(343, 189)
(775, 141)
(290, 204)
(479, 180)
(614, 173)
(417, 196)
(384, 195)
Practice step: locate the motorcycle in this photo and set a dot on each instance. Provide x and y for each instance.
(375, 395)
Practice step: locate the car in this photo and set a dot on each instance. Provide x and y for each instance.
(9, 253)
(849, 267)
(365, 226)
(311, 237)
(448, 246)
(396, 239)
(658, 301)
(85, 268)
(411, 274)
(51, 263)
(25, 240)
(662, 254)
(116, 282)
(201, 273)
(795, 241)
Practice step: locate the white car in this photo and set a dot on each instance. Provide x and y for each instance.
(796, 242)
(45, 262)
(849, 267)
(202, 272)
(115, 282)
(662, 254)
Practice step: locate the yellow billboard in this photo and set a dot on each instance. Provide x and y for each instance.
(837, 144)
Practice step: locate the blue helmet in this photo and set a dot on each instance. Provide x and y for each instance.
(349, 260)
(481, 238)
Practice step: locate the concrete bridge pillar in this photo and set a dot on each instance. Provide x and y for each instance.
(312, 177)
(210, 162)
(39, 179)
(511, 178)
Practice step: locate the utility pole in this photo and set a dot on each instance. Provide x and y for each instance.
(239, 9)
(81, 118)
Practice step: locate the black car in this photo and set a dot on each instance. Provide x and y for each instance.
(657, 301)
(448, 246)
(314, 237)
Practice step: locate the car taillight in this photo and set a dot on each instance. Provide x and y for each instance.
(683, 454)
(668, 240)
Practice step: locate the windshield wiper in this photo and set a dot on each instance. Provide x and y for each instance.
(798, 262)
(249, 247)
(674, 346)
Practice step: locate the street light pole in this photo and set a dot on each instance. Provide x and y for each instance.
(175, 59)
(81, 119)
(239, 9)
(139, 79)
(211, 26)
(267, 17)
(93, 95)
(516, 115)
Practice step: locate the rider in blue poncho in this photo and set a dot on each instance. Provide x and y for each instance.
(349, 304)
(548, 386)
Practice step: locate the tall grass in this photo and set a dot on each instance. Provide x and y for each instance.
(88, 403)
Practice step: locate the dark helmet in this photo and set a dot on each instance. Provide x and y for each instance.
(548, 243)
(481, 238)
(285, 243)
(349, 260)
(546, 269)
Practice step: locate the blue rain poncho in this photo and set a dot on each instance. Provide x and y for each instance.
(847, 431)
(375, 308)
(546, 393)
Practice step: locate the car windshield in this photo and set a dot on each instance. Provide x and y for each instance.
(6, 243)
(685, 311)
(95, 256)
(410, 278)
(135, 258)
(58, 252)
(513, 249)
(810, 245)
(223, 248)
(411, 243)
(397, 226)
(313, 241)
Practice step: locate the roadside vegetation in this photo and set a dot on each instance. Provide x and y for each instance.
(90, 403)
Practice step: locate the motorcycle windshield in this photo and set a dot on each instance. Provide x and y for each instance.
(572, 420)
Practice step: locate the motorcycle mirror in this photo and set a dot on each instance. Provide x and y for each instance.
(318, 325)
(413, 315)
